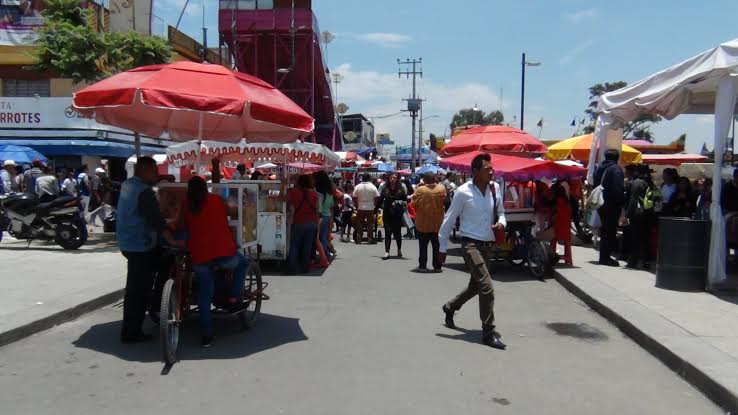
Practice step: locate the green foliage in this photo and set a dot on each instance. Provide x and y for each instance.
(131, 50)
(65, 11)
(638, 129)
(468, 116)
(70, 48)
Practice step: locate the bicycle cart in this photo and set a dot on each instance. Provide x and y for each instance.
(519, 247)
(179, 300)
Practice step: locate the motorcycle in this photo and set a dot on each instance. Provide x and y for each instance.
(61, 220)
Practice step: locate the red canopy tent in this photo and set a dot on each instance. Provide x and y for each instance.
(495, 139)
(513, 168)
(673, 159)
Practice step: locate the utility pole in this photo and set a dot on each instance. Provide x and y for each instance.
(413, 104)
(522, 95)
(204, 36)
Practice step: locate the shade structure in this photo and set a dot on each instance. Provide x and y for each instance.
(495, 139)
(303, 168)
(193, 152)
(20, 154)
(704, 84)
(428, 168)
(192, 101)
(578, 148)
(516, 168)
(673, 159)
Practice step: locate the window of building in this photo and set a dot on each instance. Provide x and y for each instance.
(26, 88)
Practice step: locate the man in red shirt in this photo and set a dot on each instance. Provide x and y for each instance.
(211, 246)
(303, 202)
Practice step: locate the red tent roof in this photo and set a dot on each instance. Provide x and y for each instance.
(516, 168)
(673, 159)
(495, 139)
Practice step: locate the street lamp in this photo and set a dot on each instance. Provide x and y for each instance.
(524, 63)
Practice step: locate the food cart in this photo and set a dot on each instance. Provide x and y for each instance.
(258, 210)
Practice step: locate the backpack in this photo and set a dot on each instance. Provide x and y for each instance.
(653, 199)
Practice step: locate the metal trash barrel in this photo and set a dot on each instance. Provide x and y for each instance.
(683, 251)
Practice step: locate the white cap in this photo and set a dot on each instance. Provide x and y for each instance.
(99, 170)
(9, 163)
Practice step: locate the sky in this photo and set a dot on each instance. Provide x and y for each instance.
(471, 51)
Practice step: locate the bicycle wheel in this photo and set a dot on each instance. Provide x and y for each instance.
(518, 255)
(539, 259)
(252, 296)
(169, 323)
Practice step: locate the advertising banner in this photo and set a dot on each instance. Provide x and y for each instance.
(46, 113)
(19, 20)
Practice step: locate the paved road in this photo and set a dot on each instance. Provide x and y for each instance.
(364, 338)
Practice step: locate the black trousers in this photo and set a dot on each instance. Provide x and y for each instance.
(639, 237)
(423, 239)
(392, 227)
(142, 267)
(609, 232)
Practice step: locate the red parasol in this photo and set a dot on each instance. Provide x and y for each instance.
(191, 101)
(495, 139)
(516, 168)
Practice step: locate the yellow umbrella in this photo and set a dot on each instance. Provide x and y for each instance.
(578, 148)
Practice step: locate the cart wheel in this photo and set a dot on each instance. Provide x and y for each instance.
(252, 296)
(169, 324)
(518, 256)
(539, 259)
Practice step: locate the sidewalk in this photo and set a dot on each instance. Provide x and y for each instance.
(694, 333)
(43, 285)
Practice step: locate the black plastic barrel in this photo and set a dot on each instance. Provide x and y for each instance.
(684, 247)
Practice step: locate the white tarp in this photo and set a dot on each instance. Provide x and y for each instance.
(704, 84)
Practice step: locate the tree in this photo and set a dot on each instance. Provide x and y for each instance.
(639, 128)
(68, 47)
(469, 116)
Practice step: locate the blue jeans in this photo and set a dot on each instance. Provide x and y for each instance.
(301, 242)
(206, 275)
(325, 230)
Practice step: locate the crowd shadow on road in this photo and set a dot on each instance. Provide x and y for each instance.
(231, 342)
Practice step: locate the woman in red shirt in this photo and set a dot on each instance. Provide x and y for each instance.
(210, 244)
(303, 202)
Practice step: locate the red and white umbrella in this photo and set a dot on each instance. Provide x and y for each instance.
(190, 101)
(498, 139)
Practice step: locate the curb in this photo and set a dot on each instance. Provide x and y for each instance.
(64, 316)
(712, 389)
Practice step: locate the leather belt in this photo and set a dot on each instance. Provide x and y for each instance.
(476, 242)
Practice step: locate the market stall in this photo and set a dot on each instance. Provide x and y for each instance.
(704, 84)
(259, 213)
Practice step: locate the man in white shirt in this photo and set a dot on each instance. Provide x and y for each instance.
(366, 195)
(7, 177)
(69, 186)
(480, 210)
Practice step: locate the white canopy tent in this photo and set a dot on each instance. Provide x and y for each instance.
(704, 84)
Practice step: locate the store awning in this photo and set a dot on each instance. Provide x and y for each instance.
(67, 147)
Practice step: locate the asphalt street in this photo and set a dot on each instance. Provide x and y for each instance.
(365, 337)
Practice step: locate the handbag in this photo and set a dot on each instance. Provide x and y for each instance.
(408, 220)
(594, 220)
(596, 198)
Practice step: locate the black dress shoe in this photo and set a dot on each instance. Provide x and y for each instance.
(610, 263)
(139, 338)
(206, 341)
(493, 340)
(449, 317)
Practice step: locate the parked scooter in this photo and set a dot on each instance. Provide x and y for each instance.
(61, 220)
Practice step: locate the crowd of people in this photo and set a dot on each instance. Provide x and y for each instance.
(634, 201)
(97, 191)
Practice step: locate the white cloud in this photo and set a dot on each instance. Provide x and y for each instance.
(194, 8)
(386, 40)
(576, 51)
(377, 94)
(582, 16)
